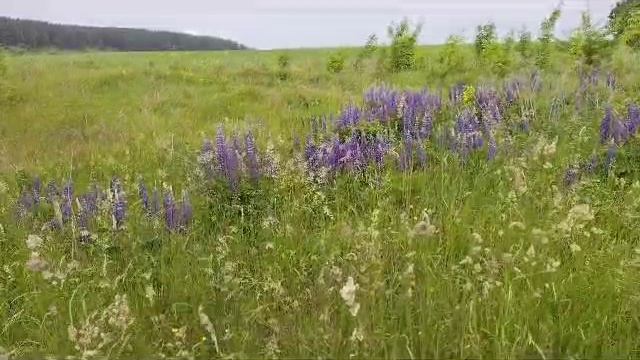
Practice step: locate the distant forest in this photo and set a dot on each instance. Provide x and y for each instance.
(41, 35)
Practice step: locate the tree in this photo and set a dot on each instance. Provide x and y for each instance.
(37, 35)
(587, 43)
(404, 40)
(485, 36)
(547, 29)
(620, 16)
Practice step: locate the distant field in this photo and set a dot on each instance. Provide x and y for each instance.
(485, 217)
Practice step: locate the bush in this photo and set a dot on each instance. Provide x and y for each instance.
(524, 44)
(631, 34)
(404, 39)
(367, 52)
(587, 43)
(485, 38)
(336, 63)
(547, 28)
(451, 58)
(283, 67)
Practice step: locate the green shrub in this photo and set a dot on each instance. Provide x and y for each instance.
(631, 34)
(283, 67)
(587, 43)
(402, 55)
(547, 28)
(336, 63)
(524, 44)
(485, 38)
(451, 58)
(367, 52)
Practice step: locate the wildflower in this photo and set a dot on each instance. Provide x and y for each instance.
(571, 176)
(348, 294)
(67, 199)
(424, 228)
(36, 263)
(170, 212)
(33, 242)
(575, 248)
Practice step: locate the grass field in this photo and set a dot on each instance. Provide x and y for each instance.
(501, 223)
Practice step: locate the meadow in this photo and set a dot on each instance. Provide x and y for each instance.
(227, 205)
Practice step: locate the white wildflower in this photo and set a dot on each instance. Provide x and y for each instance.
(34, 242)
(208, 325)
(575, 248)
(36, 263)
(348, 294)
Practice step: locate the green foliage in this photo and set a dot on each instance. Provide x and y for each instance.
(283, 67)
(370, 48)
(486, 36)
(631, 34)
(545, 41)
(524, 45)
(490, 52)
(620, 16)
(404, 39)
(336, 61)
(587, 43)
(451, 58)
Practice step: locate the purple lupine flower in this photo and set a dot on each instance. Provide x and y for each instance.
(36, 190)
(612, 152)
(406, 155)
(252, 158)
(468, 133)
(67, 201)
(221, 153)
(233, 169)
(235, 145)
(381, 104)
(186, 211)
(422, 156)
(88, 208)
(170, 212)
(633, 119)
(571, 176)
(592, 165)
(493, 148)
(144, 197)
(349, 117)
(512, 91)
(25, 205)
(456, 93)
(620, 132)
(380, 150)
(606, 127)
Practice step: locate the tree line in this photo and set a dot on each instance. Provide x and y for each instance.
(32, 34)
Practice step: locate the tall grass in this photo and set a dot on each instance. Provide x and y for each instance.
(463, 258)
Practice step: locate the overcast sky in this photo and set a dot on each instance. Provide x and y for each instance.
(267, 24)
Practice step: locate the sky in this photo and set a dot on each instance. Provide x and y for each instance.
(274, 24)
